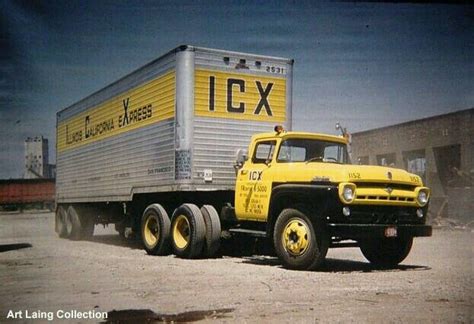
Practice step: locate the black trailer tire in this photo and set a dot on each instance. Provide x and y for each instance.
(87, 217)
(386, 252)
(188, 231)
(213, 230)
(155, 230)
(73, 224)
(300, 243)
(60, 222)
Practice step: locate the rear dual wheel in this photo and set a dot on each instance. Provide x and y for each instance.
(77, 223)
(192, 232)
(60, 222)
(213, 230)
(188, 231)
(155, 229)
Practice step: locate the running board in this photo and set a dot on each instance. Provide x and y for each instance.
(344, 245)
(248, 232)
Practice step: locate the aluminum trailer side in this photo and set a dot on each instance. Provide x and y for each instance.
(168, 132)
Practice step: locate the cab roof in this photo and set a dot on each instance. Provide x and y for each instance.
(305, 135)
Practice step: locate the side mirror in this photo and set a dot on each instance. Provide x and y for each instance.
(241, 157)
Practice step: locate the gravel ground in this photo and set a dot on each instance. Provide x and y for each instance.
(42, 274)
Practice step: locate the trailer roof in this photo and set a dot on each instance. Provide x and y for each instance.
(174, 51)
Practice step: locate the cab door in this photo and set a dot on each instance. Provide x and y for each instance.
(254, 182)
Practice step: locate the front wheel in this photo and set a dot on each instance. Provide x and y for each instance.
(300, 243)
(386, 252)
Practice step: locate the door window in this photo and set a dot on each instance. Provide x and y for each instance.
(264, 152)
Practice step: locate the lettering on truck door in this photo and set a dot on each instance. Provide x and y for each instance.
(254, 183)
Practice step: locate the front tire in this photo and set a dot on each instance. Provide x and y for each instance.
(301, 244)
(386, 252)
(155, 229)
(188, 231)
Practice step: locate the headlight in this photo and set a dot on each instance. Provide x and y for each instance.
(348, 193)
(422, 197)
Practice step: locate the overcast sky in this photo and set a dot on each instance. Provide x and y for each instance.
(365, 65)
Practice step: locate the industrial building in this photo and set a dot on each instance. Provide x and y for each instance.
(37, 159)
(439, 149)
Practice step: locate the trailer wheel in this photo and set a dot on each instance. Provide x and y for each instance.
(74, 227)
(188, 231)
(299, 243)
(213, 230)
(60, 222)
(155, 229)
(386, 252)
(86, 217)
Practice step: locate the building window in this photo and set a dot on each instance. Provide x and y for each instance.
(389, 159)
(415, 162)
(363, 160)
(448, 165)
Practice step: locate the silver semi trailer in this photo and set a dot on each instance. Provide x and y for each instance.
(165, 137)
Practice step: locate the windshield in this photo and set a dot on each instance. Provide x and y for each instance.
(312, 150)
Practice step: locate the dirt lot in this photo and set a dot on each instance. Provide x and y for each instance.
(41, 273)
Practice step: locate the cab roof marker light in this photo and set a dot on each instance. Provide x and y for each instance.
(279, 129)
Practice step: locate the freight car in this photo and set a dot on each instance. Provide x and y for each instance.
(27, 193)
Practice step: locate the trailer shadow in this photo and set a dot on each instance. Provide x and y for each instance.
(148, 316)
(15, 246)
(336, 265)
(116, 240)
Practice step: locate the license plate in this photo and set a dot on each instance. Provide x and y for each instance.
(391, 232)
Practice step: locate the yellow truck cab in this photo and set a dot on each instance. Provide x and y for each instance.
(309, 197)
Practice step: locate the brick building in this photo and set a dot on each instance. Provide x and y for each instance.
(440, 149)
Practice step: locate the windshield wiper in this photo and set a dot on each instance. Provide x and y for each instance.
(324, 160)
(316, 158)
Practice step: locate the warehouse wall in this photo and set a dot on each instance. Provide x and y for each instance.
(440, 149)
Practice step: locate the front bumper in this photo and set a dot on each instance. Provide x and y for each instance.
(362, 231)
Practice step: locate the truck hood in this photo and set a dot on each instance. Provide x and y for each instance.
(337, 173)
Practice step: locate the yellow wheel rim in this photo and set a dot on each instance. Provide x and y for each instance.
(296, 236)
(151, 231)
(181, 232)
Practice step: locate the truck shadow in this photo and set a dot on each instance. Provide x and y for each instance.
(336, 265)
(261, 255)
